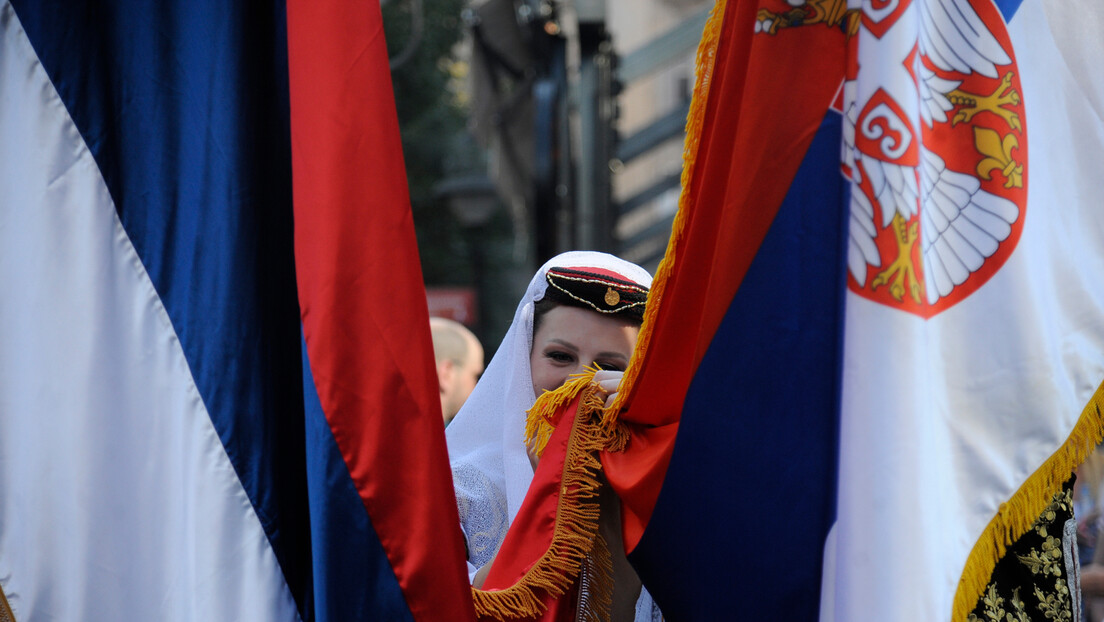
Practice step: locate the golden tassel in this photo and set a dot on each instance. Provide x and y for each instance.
(596, 584)
(1016, 516)
(577, 515)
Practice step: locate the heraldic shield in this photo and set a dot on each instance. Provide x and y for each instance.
(934, 145)
(936, 152)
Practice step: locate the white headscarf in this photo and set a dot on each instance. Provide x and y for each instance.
(486, 440)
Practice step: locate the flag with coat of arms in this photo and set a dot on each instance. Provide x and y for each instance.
(879, 326)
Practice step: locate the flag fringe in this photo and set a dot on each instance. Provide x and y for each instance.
(577, 511)
(544, 415)
(1015, 517)
(596, 584)
(706, 57)
(6, 614)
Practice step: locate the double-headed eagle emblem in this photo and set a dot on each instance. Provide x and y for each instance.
(934, 143)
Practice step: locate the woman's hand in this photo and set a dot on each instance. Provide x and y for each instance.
(609, 382)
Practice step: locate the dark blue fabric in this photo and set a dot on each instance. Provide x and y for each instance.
(739, 527)
(353, 579)
(1008, 8)
(185, 108)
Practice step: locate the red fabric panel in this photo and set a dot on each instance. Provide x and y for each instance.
(363, 303)
(530, 534)
(749, 150)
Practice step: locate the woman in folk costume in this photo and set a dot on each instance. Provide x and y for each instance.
(587, 308)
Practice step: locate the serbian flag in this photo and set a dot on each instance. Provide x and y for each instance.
(217, 396)
(879, 327)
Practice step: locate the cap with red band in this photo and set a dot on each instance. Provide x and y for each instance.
(597, 289)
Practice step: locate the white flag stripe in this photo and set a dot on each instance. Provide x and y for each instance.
(113, 480)
(944, 419)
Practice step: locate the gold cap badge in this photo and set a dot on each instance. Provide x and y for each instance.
(612, 297)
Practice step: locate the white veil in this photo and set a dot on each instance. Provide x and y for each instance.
(486, 440)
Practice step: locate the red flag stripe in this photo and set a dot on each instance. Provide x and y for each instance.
(363, 303)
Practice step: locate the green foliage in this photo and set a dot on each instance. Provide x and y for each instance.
(430, 120)
(436, 144)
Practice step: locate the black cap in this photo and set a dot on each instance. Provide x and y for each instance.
(597, 289)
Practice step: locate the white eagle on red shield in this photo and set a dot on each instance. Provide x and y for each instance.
(934, 144)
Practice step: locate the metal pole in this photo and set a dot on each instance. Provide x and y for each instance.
(587, 183)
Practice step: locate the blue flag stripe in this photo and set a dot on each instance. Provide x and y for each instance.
(776, 357)
(1008, 8)
(184, 108)
(347, 554)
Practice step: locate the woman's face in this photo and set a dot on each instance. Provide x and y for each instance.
(571, 338)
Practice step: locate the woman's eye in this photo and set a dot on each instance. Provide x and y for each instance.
(608, 366)
(560, 357)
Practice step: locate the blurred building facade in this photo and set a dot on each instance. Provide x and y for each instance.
(581, 105)
(657, 41)
(576, 114)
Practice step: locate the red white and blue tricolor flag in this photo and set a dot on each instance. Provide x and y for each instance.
(879, 328)
(217, 395)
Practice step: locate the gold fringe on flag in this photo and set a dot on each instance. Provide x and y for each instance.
(596, 584)
(1016, 516)
(540, 422)
(6, 614)
(577, 511)
(707, 54)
